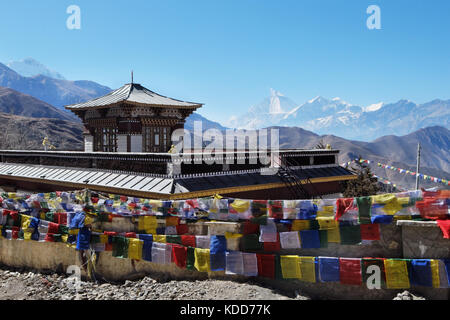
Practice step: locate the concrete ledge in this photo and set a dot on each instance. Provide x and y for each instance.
(412, 223)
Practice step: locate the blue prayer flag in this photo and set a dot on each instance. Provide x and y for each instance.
(329, 269)
(310, 239)
(421, 273)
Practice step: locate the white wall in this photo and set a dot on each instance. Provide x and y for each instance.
(136, 143)
(121, 143)
(88, 143)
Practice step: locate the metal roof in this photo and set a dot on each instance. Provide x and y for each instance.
(97, 179)
(89, 177)
(253, 178)
(133, 93)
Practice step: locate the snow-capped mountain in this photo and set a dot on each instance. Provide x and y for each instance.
(29, 67)
(270, 111)
(338, 117)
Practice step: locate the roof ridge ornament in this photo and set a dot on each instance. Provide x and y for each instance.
(131, 77)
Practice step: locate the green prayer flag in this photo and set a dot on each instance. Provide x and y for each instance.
(350, 235)
(262, 220)
(251, 242)
(323, 235)
(364, 209)
(278, 272)
(62, 229)
(190, 258)
(49, 216)
(120, 247)
(314, 225)
(173, 239)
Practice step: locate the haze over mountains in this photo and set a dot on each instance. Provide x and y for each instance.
(32, 107)
(338, 117)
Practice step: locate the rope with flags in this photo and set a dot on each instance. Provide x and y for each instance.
(399, 170)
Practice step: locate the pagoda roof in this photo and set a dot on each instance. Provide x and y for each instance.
(133, 93)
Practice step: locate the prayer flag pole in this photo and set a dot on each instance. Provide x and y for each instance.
(418, 165)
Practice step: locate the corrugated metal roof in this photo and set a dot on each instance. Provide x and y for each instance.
(253, 178)
(161, 185)
(92, 177)
(133, 92)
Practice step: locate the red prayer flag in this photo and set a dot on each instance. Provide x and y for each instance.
(370, 231)
(276, 210)
(182, 229)
(53, 227)
(48, 237)
(130, 235)
(60, 218)
(445, 227)
(342, 206)
(188, 241)
(350, 271)
(273, 246)
(433, 208)
(266, 265)
(250, 228)
(179, 255)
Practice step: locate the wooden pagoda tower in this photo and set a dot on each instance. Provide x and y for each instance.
(131, 119)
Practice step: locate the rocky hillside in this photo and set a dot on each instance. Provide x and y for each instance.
(14, 102)
(26, 133)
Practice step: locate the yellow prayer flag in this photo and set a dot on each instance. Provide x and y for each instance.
(290, 267)
(327, 223)
(202, 263)
(25, 221)
(135, 249)
(396, 274)
(159, 238)
(240, 205)
(334, 235)
(390, 201)
(148, 223)
(434, 264)
(230, 235)
(64, 237)
(402, 217)
(155, 204)
(27, 235)
(88, 220)
(403, 201)
(307, 269)
(299, 225)
(103, 238)
(171, 221)
(73, 231)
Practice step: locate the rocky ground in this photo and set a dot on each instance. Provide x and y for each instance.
(20, 284)
(27, 285)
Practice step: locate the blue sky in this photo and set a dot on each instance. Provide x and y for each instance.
(228, 54)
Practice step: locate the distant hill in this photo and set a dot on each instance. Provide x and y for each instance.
(14, 102)
(398, 151)
(206, 124)
(56, 92)
(26, 133)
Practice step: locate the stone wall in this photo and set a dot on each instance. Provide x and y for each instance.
(406, 239)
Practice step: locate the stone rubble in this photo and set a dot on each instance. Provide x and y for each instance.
(20, 284)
